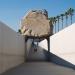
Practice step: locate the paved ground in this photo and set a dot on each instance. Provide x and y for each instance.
(38, 55)
(40, 68)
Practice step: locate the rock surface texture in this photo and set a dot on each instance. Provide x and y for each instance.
(35, 23)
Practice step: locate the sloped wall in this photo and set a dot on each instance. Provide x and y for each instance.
(12, 48)
(62, 44)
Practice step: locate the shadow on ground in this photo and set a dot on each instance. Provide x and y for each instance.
(57, 60)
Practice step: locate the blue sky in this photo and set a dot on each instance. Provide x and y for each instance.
(12, 11)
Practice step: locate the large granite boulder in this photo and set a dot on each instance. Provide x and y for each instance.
(35, 23)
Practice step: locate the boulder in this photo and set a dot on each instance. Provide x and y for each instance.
(35, 23)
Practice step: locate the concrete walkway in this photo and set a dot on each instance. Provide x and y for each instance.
(40, 68)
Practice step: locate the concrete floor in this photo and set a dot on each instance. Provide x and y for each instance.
(40, 68)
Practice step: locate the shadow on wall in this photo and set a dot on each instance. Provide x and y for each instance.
(57, 60)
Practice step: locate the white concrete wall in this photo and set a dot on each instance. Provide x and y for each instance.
(62, 44)
(12, 48)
